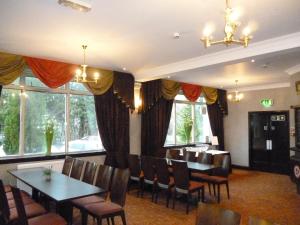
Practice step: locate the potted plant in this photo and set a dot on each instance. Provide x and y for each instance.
(49, 133)
(47, 173)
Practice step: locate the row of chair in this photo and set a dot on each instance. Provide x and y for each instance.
(113, 180)
(17, 208)
(190, 156)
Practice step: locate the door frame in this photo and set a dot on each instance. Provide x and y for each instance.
(287, 112)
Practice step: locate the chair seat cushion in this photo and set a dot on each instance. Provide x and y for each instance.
(7, 188)
(26, 201)
(103, 208)
(47, 219)
(81, 202)
(217, 179)
(31, 210)
(199, 176)
(195, 186)
(10, 196)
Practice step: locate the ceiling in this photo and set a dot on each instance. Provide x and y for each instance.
(138, 34)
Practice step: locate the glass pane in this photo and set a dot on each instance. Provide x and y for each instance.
(181, 97)
(83, 125)
(184, 123)
(77, 86)
(9, 122)
(171, 131)
(202, 125)
(40, 109)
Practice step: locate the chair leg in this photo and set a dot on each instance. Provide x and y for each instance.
(99, 221)
(214, 186)
(174, 199)
(156, 196)
(123, 218)
(219, 197)
(84, 218)
(113, 220)
(203, 194)
(209, 188)
(227, 187)
(142, 189)
(187, 203)
(168, 197)
(198, 192)
(107, 220)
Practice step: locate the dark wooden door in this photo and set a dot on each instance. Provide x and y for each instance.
(269, 141)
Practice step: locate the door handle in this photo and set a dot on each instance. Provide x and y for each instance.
(270, 144)
(267, 144)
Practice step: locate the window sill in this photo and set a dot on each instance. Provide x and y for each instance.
(186, 145)
(31, 158)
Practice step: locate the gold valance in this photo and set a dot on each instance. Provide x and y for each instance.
(170, 89)
(210, 94)
(11, 67)
(104, 83)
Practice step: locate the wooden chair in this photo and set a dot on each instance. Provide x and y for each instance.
(209, 214)
(103, 180)
(258, 221)
(136, 174)
(183, 185)
(114, 207)
(77, 169)
(173, 154)
(67, 166)
(204, 157)
(189, 156)
(89, 172)
(164, 180)
(149, 174)
(46, 219)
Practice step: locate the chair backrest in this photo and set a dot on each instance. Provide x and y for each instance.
(173, 154)
(223, 161)
(189, 156)
(181, 174)
(209, 214)
(257, 221)
(148, 167)
(119, 186)
(22, 218)
(104, 177)
(4, 208)
(89, 172)
(67, 166)
(134, 164)
(77, 169)
(204, 157)
(162, 171)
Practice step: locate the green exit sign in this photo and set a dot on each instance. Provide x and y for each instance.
(267, 102)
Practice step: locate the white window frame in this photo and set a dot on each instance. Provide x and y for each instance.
(67, 91)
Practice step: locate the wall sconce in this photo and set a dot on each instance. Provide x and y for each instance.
(137, 96)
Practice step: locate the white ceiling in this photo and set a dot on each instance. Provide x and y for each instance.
(136, 34)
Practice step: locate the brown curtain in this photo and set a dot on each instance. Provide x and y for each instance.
(216, 114)
(155, 119)
(0, 90)
(113, 124)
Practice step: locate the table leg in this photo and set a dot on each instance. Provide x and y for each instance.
(35, 194)
(65, 209)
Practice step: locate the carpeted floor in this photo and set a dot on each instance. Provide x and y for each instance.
(265, 195)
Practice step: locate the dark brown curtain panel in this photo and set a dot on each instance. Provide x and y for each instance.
(113, 124)
(0, 90)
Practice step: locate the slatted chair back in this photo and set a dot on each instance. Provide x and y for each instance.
(173, 154)
(104, 177)
(89, 172)
(209, 214)
(189, 156)
(4, 208)
(148, 164)
(119, 186)
(77, 169)
(181, 175)
(224, 166)
(162, 171)
(22, 219)
(204, 157)
(67, 166)
(134, 163)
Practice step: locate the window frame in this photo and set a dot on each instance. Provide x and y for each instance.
(67, 91)
(193, 104)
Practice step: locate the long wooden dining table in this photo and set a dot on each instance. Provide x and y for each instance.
(195, 166)
(60, 188)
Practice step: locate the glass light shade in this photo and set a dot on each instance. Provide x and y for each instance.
(229, 96)
(96, 75)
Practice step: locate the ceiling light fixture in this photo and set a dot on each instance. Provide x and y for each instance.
(236, 96)
(80, 5)
(231, 25)
(81, 76)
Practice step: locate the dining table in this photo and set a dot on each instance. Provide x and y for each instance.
(196, 166)
(59, 188)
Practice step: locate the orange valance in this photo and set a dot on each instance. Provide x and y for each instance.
(51, 73)
(191, 91)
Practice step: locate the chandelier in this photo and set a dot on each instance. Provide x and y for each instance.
(236, 96)
(231, 25)
(81, 75)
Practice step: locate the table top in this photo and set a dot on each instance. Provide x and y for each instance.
(195, 166)
(216, 152)
(60, 188)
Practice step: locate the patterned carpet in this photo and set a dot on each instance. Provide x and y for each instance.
(265, 195)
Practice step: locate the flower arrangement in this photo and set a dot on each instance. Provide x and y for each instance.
(49, 133)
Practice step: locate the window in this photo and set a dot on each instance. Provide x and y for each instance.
(189, 122)
(27, 105)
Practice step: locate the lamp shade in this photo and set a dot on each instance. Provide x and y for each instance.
(214, 140)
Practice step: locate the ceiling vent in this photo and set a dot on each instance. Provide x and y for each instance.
(80, 5)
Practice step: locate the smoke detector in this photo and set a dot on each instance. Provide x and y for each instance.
(80, 5)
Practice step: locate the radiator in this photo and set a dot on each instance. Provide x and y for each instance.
(57, 165)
